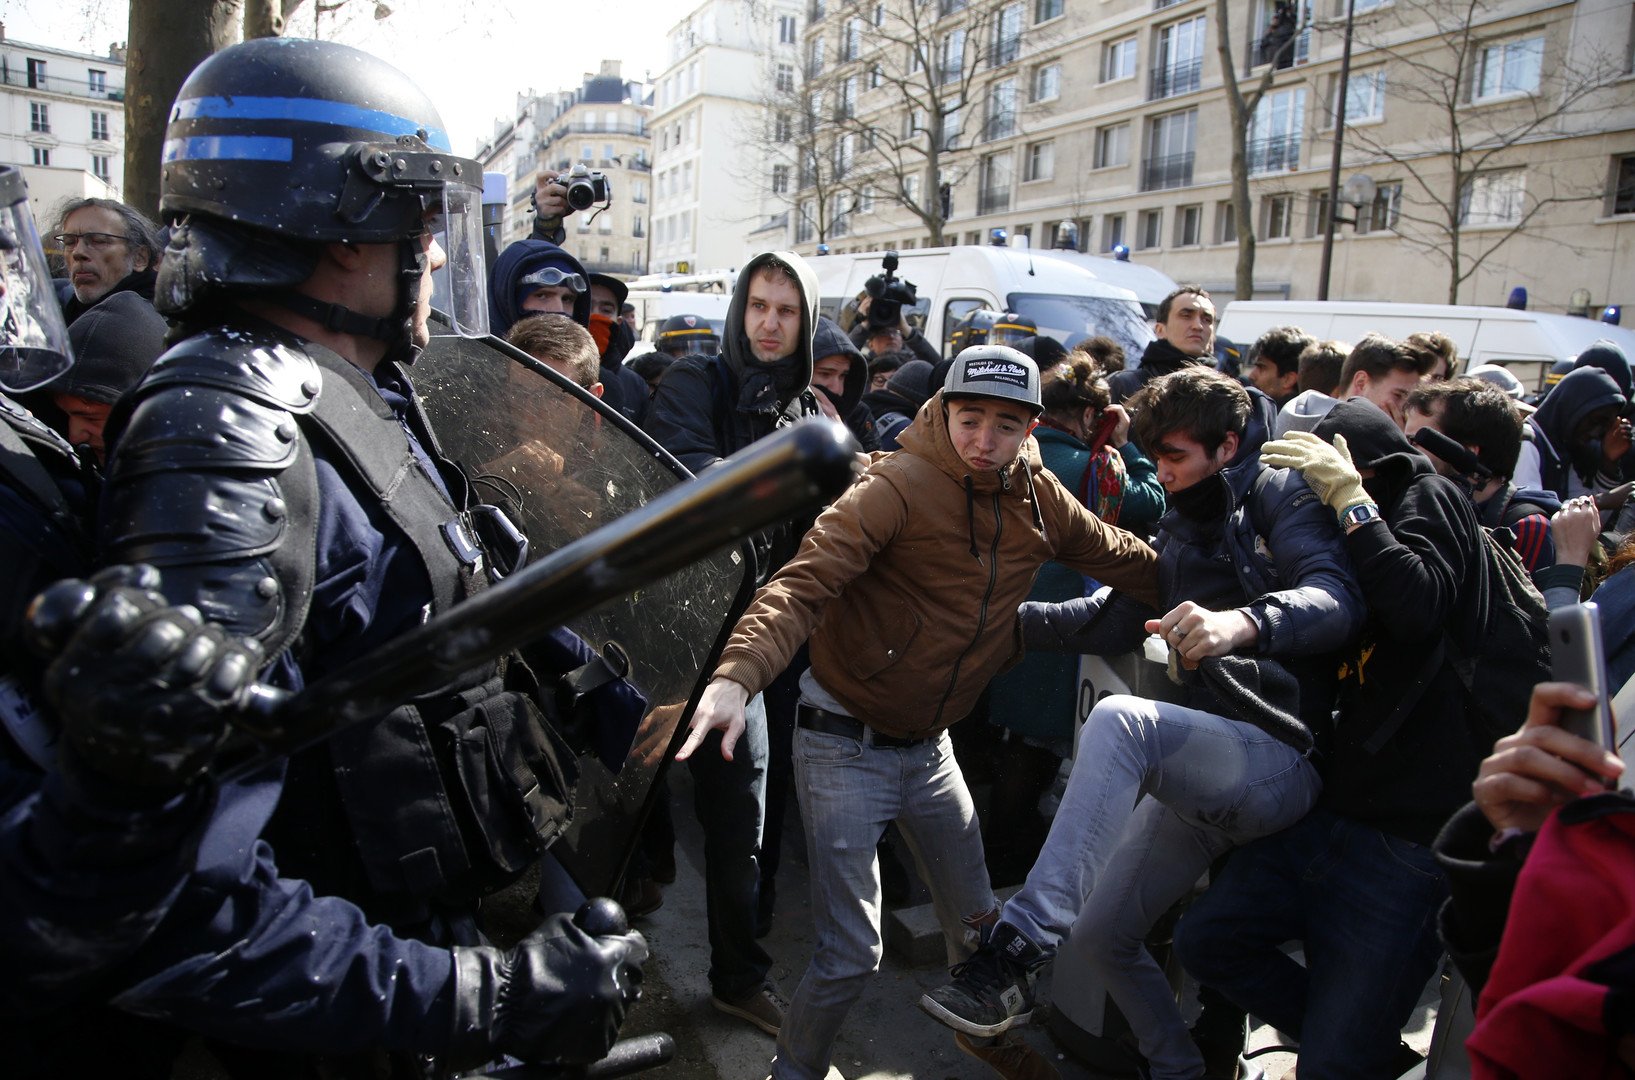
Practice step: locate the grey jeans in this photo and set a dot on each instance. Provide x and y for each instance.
(849, 790)
(1157, 792)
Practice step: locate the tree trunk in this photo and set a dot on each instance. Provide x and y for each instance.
(168, 39)
(1242, 212)
(263, 18)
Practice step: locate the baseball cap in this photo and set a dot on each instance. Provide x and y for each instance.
(994, 371)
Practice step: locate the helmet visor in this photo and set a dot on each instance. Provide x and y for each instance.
(1010, 334)
(460, 285)
(33, 337)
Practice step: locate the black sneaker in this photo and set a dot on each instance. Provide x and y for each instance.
(993, 989)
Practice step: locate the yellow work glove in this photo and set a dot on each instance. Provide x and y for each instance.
(1327, 469)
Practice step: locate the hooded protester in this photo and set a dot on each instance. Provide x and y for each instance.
(894, 408)
(115, 343)
(622, 388)
(705, 408)
(1577, 437)
(709, 407)
(1355, 880)
(1607, 356)
(841, 373)
(536, 275)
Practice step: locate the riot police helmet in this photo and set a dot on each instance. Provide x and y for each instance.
(279, 145)
(683, 334)
(34, 345)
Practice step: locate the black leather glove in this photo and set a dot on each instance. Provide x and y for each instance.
(559, 996)
(143, 688)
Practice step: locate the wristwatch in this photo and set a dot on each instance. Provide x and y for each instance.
(1360, 514)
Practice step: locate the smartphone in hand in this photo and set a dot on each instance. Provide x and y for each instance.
(1577, 656)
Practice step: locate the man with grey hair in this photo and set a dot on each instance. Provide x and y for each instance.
(107, 248)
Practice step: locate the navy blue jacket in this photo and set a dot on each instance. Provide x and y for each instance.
(1279, 556)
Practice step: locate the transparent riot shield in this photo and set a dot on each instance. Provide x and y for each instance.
(532, 440)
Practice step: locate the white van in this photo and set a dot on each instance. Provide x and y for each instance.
(1065, 300)
(654, 305)
(1526, 342)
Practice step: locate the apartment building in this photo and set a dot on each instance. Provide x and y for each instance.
(514, 151)
(62, 118)
(1113, 116)
(713, 204)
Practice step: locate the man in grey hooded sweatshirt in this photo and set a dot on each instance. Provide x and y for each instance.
(707, 408)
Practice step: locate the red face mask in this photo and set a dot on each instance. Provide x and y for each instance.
(601, 328)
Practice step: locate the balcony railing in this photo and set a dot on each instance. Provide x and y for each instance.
(1181, 78)
(54, 84)
(948, 7)
(814, 13)
(1158, 173)
(1266, 49)
(1276, 153)
(634, 266)
(1005, 51)
(567, 130)
(993, 202)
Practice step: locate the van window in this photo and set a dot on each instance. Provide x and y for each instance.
(953, 312)
(1070, 319)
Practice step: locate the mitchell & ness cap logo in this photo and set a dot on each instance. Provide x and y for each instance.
(996, 371)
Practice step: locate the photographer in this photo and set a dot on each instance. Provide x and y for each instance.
(882, 324)
(558, 194)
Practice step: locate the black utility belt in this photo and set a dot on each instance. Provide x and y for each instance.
(813, 718)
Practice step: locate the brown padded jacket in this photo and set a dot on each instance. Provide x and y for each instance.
(908, 585)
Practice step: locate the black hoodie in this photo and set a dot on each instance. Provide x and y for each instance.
(1423, 571)
(1579, 393)
(830, 340)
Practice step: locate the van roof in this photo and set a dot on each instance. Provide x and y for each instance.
(1010, 269)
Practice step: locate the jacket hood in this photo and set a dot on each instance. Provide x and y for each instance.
(1607, 356)
(1579, 393)
(1303, 411)
(115, 342)
(830, 340)
(735, 343)
(1375, 442)
(1241, 471)
(517, 261)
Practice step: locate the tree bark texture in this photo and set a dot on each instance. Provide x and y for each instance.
(168, 39)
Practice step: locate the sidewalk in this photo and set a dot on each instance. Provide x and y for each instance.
(887, 1037)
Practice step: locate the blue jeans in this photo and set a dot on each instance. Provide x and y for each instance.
(1157, 792)
(849, 791)
(1364, 906)
(729, 798)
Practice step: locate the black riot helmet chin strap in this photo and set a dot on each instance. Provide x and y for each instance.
(396, 329)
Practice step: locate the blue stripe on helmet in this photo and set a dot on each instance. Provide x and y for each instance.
(235, 147)
(312, 110)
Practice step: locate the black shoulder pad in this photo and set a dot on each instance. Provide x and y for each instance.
(212, 482)
(254, 364)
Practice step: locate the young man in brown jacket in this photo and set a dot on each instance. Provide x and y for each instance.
(907, 588)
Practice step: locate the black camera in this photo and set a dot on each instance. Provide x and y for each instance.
(888, 294)
(586, 188)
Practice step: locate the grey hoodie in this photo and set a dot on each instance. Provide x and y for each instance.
(735, 343)
(1302, 412)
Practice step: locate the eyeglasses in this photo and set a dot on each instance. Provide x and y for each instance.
(551, 277)
(96, 240)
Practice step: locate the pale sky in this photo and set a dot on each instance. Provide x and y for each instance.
(471, 56)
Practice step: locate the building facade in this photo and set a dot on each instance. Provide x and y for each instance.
(712, 203)
(514, 151)
(62, 118)
(1113, 116)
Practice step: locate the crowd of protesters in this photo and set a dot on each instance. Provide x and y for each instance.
(1348, 556)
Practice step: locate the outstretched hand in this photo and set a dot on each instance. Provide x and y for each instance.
(721, 708)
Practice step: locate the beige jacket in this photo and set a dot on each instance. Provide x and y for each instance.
(908, 585)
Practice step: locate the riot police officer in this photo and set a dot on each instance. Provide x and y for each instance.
(277, 468)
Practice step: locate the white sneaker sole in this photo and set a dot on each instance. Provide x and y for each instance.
(941, 1015)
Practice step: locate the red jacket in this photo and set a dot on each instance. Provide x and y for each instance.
(1568, 952)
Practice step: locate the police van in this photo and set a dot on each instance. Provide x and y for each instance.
(657, 297)
(1526, 342)
(1068, 298)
